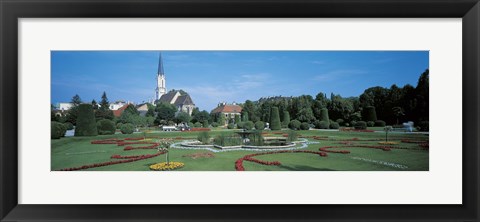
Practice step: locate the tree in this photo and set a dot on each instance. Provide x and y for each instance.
(201, 116)
(237, 119)
(94, 105)
(259, 125)
(398, 111)
(324, 115)
(250, 109)
(244, 116)
(165, 111)
(370, 114)
(182, 117)
(422, 92)
(275, 119)
(86, 125)
(150, 112)
(106, 127)
(104, 104)
(76, 100)
(131, 109)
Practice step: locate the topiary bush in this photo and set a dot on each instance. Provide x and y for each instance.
(214, 124)
(324, 115)
(86, 124)
(275, 119)
(248, 125)
(204, 124)
(380, 123)
(127, 128)
(304, 126)
(294, 124)
(353, 123)
(240, 125)
(231, 126)
(340, 122)
(68, 125)
(369, 114)
(106, 127)
(197, 124)
(360, 125)
(334, 125)
(119, 125)
(322, 125)
(57, 130)
(370, 123)
(259, 125)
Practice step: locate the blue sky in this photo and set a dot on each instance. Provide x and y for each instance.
(211, 77)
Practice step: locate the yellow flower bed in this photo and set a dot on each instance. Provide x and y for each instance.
(388, 143)
(164, 166)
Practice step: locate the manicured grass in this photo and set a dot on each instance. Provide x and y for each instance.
(78, 151)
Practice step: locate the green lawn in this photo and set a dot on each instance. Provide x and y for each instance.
(78, 151)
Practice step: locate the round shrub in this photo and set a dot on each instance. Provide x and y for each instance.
(68, 125)
(86, 124)
(240, 125)
(119, 125)
(334, 125)
(340, 122)
(423, 126)
(353, 123)
(197, 124)
(294, 124)
(369, 114)
(127, 128)
(380, 123)
(214, 124)
(370, 123)
(248, 125)
(57, 130)
(304, 126)
(347, 124)
(106, 127)
(231, 126)
(259, 125)
(321, 124)
(360, 125)
(204, 123)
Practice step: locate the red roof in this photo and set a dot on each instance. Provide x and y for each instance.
(228, 109)
(119, 111)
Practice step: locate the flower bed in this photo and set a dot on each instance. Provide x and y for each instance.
(239, 163)
(164, 166)
(384, 148)
(199, 155)
(124, 160)
(197, 129)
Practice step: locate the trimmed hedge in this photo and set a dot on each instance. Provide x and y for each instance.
(106, 127)
(275, 119)
(286, 119)
(57, 130)
(304, 126)
(127, 128)
(231, 126)
(259, 125)
(240, 125)
(248, 125)
(321, 124)
(370, 123)
(340, 122)
(119, 125)
(86, 124)
(334, 125)
(360, 125)
(294, 124)
(380, 123)
(324, 115)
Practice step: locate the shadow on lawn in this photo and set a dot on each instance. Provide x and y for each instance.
(304, 168)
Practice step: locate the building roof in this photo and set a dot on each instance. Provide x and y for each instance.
(167, 98)
(184, 100)
(228, 109)
(119, 111)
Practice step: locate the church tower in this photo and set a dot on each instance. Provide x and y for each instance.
(161, 89)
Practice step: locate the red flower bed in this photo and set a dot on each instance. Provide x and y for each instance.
(197, 129)
(239, 163)
(153, 146)
(138, 138)
(106, 141)
(133, 159)
(413, 141)
(116, 156)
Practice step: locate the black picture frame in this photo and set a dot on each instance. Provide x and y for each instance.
(11, 11)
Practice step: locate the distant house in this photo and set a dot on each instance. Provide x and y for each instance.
(228, 110)
(182, 101)
(118, 112)
(117, 105)
(142, 109)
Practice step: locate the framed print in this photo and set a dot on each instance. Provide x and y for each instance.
(268, 110)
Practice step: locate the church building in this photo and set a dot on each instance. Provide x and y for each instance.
(179, 98)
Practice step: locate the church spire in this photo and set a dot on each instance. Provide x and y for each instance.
(160, 65)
